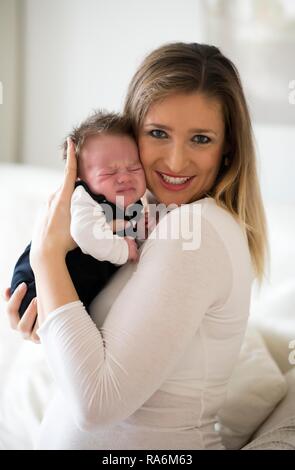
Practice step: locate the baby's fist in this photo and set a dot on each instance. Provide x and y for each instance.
(132, 248)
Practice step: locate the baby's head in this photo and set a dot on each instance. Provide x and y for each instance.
(108, 159)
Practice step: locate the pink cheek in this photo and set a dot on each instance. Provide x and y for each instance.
(102, 179)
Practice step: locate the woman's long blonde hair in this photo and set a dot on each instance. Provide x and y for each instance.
(187, 68)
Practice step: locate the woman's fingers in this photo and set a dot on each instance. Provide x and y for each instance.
(14, 303)
(34, 336)
(26, 323)
(70, 172)
(52, 195)
(6, 294)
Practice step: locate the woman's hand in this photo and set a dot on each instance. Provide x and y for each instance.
(51, 235)
(28, 324)
(50, 243)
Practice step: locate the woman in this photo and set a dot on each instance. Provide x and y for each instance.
(151, 370)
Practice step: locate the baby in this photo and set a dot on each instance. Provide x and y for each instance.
(106, 211)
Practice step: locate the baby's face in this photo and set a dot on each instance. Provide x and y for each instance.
(110, 165)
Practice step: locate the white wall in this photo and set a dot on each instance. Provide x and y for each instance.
(276, 162)
(9, 78)
(259, 37)
(80, 55)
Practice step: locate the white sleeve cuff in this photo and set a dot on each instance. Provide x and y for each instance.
(58, 311)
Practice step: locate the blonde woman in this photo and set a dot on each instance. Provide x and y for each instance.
(150, 369)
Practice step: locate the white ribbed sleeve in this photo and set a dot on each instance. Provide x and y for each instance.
(108, 373)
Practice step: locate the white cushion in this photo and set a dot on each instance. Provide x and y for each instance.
(29, 387)
(276, 322)
(284, 410)
(281, 437)
(25, 384)
(255, 388)
(278, 431)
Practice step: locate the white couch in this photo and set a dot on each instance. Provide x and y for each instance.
(260, 405)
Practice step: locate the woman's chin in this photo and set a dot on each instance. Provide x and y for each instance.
(164, 197)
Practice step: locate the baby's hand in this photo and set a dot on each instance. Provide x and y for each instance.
(132, 247)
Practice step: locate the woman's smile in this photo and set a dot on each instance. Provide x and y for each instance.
(174, 183)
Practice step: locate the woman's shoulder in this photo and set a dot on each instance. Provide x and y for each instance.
(223, 222)
(183, 226)
(201, 224)
(224, 226)
(205, 209)
(185, 243)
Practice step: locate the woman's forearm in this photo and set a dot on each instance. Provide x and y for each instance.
(54, 285)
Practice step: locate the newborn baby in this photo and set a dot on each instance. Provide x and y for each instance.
(106, 211)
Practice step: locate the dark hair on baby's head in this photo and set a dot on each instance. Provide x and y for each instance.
(100, 122)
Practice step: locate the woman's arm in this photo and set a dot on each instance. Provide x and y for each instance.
(106, 374)
(50, 243)
(54, 285)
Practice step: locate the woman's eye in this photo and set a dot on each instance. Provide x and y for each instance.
(158, 134)
(201, 139)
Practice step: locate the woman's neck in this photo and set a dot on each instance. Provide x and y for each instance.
(150, 198)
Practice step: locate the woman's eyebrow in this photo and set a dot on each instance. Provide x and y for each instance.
(154, 124)
(203, 131)
(196, 130)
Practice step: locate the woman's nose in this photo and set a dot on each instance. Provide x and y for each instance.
(176, 159)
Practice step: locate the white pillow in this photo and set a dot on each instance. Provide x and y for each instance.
(274, 317)
(255, 388)
(285, 409)
(25, 394)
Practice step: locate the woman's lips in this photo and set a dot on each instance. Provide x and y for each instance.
(174, 187)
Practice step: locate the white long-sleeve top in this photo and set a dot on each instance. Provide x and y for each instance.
(150, 369)
(90, 230)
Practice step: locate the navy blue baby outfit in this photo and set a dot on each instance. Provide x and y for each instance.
(89, 275)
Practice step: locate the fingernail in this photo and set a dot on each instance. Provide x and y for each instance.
(22, 285)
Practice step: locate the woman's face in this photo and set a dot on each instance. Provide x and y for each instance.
(181, 143)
